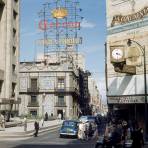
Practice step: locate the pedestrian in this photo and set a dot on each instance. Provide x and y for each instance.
(59, 116)
(80, 131)
(46, 117)
(42, 122)
(25, 124)
(36, 127)
(86, 130)
(137, 136)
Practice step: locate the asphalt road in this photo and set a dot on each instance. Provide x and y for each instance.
(48, 140)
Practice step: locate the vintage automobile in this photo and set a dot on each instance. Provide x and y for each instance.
(69, 128)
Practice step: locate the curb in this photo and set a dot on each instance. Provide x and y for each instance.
(28, 134)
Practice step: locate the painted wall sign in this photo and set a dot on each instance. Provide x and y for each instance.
(126, 99)
(129, 26)
(64, 41)
(59, 13)
(45, 24)
(128, 18)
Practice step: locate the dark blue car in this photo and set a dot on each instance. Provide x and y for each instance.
(69, 128)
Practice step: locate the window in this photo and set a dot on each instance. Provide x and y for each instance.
(33, 99)
(61, 101)
(13, 89)
(14, 32)
(33, 112)
(1, 84)
(61, 83)
(14, 50)
(34, 83)
(14, 14)
(15, 1)
(13, 68)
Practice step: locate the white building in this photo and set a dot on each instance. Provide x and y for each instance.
(9, 52)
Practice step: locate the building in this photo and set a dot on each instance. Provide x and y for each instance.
(9, 51)
(125, 77)
(50, 87)
(95, 97)
(84, 98)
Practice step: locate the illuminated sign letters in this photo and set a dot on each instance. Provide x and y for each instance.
(45, 24)
(65, 41)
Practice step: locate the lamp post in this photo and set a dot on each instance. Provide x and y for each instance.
(43, 104)
(129, 42)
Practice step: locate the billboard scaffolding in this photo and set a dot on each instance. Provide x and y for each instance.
(59, 23)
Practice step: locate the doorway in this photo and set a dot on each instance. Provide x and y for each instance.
(60, 111)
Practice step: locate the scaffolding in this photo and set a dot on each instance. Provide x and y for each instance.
(60, 23)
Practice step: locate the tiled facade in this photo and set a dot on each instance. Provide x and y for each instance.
(51, 88)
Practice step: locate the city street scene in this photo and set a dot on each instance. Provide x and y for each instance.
(73, 73)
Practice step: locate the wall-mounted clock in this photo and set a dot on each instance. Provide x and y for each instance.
(117, 54)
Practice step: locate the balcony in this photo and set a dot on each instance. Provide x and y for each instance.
(33, 90)
(67, 90)
(60, 104)
(33, 104)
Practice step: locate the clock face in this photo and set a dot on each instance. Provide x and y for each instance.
(117, 54)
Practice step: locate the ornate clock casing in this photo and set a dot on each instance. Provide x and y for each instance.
(117, 54)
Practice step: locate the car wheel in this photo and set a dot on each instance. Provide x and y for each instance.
(99, 146)
(61, 136)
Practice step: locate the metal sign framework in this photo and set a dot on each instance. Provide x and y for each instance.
(60, 21)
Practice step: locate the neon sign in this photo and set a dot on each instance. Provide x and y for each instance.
(59, 13)
(64, 41)
(44, 25)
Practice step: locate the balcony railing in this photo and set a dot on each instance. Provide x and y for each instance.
(60, 104)
(67, 90)
(33, 90)
(33, 104)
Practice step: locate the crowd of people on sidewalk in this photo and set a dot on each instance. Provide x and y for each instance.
(87, 130)
(118, 132)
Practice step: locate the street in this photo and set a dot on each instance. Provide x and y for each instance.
(48, 140)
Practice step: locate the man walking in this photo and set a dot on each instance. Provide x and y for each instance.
(36, 127)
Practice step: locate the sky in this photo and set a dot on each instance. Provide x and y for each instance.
(93, 31)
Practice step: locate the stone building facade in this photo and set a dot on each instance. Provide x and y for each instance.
(9, 52)
(95, 97)
(50, 87)
(125, 64)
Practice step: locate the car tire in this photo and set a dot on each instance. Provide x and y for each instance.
(61, 136)
(99, 146)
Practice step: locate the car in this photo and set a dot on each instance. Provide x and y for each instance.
(69, 128)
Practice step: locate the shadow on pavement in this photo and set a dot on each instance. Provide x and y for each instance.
(53, 146)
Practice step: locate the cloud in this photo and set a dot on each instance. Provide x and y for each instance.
(86, 24)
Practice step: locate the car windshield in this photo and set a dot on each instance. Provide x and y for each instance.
(69, 123)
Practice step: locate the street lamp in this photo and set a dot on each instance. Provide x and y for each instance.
(43, 103)
(129, 42)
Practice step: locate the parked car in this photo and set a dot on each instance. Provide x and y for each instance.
(69, 128)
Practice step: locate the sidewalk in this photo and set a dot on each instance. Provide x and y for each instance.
(18, 132)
